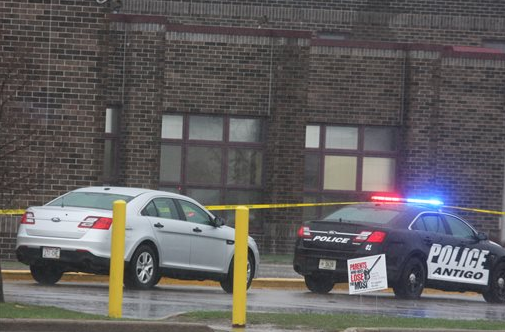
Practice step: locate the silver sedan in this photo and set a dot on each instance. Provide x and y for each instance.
(166, 235)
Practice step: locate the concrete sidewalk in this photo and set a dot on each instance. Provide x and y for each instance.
(66, 325)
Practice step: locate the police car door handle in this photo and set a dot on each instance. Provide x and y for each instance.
(197, 230)
(158, 225)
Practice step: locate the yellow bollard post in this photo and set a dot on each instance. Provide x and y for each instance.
(117, 259)
(240, 266)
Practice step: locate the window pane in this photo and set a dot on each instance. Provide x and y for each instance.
(111, 121)
(205, 196)
(171, 126)
(109, 159)
(165, 208)
(309, 212)
(312, 136)
(379, 174)
(244, 167)
(459, 228)
(380, 139)
(311, 175)
(209, 128)
(245, 197)
(340, 173)
(193, 213)
(89, 200)
(245, 130)
(342, 138)
(175, 190)
(363, 215)
(204, 165)
(170, 165)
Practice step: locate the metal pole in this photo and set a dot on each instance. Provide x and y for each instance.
(117, 259)
(240, 267)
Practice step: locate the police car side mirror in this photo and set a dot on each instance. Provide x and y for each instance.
(481, 236)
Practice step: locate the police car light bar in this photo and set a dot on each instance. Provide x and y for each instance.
(407, 200)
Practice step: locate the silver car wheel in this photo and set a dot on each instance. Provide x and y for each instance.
(248, 270)
(145, 267)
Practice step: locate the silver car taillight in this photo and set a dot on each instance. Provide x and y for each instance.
(96, 223)
(28, 218)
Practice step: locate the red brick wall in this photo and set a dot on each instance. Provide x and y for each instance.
(450, 109)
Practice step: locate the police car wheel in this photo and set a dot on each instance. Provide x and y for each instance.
(496, 291)
(412, 280)
(319, 283)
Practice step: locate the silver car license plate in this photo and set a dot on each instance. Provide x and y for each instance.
(327, 264)
(50, 252)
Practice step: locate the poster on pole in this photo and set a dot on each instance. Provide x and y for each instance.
(367, 274)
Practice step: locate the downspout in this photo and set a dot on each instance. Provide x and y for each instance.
(401, 118)
(502, 220)
(124, 65)
(271, 79)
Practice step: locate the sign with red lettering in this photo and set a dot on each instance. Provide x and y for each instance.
(367, 274)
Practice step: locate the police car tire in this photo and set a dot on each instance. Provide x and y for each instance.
(46, 274)
(404, 289)
(496, 294)
(131, 279)
(227, 284)
(319, 283)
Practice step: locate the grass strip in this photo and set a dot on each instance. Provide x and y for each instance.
(16, 310)
(333, 322)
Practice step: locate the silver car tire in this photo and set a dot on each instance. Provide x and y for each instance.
(46, 273)
(142, 271)
(227, 283)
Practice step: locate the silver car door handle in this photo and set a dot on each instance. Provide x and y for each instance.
(158, 225)
(128, 228)
(197, 230)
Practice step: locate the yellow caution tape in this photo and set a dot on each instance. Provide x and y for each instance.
(274, 206)
(11, 212)
(282, 206)
(475, 210)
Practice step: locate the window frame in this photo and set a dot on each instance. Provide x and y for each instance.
(224, 145)
(360, 154)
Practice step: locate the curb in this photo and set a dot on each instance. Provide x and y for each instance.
(65, 325)
(272, 283)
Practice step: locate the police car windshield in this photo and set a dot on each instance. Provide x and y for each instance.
(362, 215)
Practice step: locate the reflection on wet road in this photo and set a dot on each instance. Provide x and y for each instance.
(169, 300)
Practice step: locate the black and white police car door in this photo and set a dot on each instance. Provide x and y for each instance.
(459, 256)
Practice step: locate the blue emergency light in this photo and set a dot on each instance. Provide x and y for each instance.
(396, 199)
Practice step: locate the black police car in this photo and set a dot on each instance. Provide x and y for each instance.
(423, 246)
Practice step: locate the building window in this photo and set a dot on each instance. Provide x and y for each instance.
(111, 145)
(214, 159)
(345, 159)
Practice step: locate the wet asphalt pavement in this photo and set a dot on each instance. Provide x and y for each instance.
(169, 300)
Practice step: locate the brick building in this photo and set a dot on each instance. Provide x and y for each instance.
(259, 102)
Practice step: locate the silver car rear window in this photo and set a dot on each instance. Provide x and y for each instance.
(362, 215)
(91, 200)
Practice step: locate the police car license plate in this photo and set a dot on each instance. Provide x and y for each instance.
(50, 252)
(327, 264)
